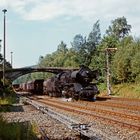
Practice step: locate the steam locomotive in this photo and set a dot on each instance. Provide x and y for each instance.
(76, 84)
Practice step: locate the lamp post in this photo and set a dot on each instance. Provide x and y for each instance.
(11, 59)
(4, 41)
(0, 44)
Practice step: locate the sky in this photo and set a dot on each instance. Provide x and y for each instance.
(35, 28)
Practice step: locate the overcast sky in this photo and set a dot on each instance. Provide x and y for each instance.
(36, 27)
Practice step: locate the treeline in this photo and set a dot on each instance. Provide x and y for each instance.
(90, 50)
(7, 66)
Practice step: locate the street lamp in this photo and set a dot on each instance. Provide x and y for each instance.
(4, 41)
(11, 59)
(0, 44)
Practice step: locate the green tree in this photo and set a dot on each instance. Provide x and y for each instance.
(121, 64)
(135, 62)
(78, 42)
(117, 36)
(78, 46)
(62, 48)
(71, 59)
(86, 48)
(93, 41)
(56, 59)
(119, 28)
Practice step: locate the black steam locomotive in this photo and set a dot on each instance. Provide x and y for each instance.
(75, 84)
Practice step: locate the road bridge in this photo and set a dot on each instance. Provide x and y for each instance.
(13, 74)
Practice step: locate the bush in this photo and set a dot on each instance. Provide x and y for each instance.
(16, 131)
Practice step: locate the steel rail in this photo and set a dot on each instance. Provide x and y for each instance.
(62, 118)
(111, 120)
(134, 117)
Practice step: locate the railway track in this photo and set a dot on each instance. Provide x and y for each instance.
(118, 98)
(115, 105)
(99, 110)
(94, 115)
(71, 123)
(90, 119)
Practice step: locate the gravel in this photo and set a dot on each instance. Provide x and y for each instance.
(52, 128)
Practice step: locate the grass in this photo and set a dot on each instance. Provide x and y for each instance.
(127, 90)
(14, 131)
(6, 102)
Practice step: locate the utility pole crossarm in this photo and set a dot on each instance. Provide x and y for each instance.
(111, 49)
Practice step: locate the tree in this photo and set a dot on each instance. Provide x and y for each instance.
(94, 36)
(117, 36)
(71, 59)
(78, 42)
(93, 41)
(121, 64)
(119, 28)
(78, 46)
(62, 48)
(86, 48)
(135, 62)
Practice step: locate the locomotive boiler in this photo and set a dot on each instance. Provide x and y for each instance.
(75, 84)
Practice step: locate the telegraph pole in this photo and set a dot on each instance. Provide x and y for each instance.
(4, 45)
(108, 75)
